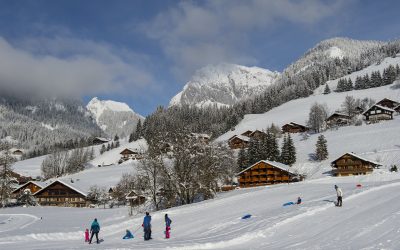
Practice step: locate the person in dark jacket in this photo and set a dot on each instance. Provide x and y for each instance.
(147, 226)
(168, 222)
(298, 201)
(94, 229)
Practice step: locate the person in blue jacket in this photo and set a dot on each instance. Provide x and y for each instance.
(94, 229)
(147, 226)
(128, 235)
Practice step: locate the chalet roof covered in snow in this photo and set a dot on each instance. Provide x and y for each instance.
(380, 107)
(65, 183)
(279, 165)
(358, 157)
(37, 183)
(241, 137)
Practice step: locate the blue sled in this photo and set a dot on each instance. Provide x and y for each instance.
(288, 204)
(247, 216)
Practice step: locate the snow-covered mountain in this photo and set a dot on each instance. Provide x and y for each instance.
(224, 85)
(43, 123)
(114, 118)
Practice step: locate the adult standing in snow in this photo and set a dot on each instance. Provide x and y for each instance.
(339, 194)
(94, 229)
(168, 222)
(147, 226)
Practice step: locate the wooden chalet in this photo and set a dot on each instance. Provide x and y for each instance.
(257, 134)
(33, 186)
(61, 194)
(135, 199)
(338, 119)
(16, 152)
(247, 133)
(378, 112)
(385, 102)
(294, 128)
(266, 173)
(129, 153)
(351, 164)
(238, 141)
(100, 140)
(20, 179)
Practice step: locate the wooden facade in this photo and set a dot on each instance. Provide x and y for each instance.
(61, 194)
(385, 102)
(128, 153)
(294, 128)
(257, 134)
(266, 173)
(247, 133)
(378, 112)
(238, 141)
(33, 186)
(100, 140)
(351, 164)
(338, 119)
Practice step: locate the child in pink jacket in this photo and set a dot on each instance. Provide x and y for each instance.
(87, 235)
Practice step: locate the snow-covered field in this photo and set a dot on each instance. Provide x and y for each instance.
(369, 219)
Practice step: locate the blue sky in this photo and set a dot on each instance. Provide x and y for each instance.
(143, 52)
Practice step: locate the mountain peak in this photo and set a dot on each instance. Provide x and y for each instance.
(223, 84)
(113, 117)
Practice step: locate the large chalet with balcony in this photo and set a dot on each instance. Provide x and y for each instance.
(266, 173)
(62, 194)
(378, 112)
(294, 128)
(351, 164)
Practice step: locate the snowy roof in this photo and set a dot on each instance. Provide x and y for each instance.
(279, 165)
(295, 124)
(339, 114)
(37, 183)
(381, 107)
(198, 135)
(359, 157)
(241, 137)
(133, 150)
(387, 99)
(102, 139)
(71, 186)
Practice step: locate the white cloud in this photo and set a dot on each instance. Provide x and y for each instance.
(193, 35)
(65, 66)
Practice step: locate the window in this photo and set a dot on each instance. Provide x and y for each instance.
(379, 111)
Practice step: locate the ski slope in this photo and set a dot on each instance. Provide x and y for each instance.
(369, 219)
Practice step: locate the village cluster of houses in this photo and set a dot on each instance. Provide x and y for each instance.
(382, 110)
(64, 193)
(268, 172)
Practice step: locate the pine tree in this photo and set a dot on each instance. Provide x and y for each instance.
(349, 85)
(108, 147)
(341, 85)
(291, 150)
(253, 151)
(242, 159)
(102, 149)
(132, 137)
(321, 151)
(284, 158)
(139, 130)
(359, 84)
(327, 89)
(116, 138)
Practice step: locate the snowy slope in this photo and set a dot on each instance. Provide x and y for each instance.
(368, 220)
(31, 167)
(375, 141)
(113, 117)
(368, 70)
(224, 85)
